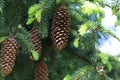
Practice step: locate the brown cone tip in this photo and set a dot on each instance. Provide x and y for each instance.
(60, 28)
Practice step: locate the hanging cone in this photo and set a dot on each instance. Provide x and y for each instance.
(60, 28)
(8, 56)
(35, 38)
(41, 71)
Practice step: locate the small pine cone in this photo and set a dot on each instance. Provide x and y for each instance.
(41, 71)
(8, 55)
(60, 28)
(35, 38)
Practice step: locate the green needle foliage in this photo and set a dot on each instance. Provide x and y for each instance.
(80, 59)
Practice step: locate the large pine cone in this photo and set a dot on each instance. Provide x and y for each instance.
(60, 28)
(41, 71)
(8, 55)
(35, 38)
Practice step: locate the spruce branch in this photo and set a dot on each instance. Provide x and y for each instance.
(37, 11)
(1, 5)
(115, 59)
(23, 37)
(1, 13)
(23, 41)
(101, 72)
(83, 73)
(109, 32)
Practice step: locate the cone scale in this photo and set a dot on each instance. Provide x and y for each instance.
(8, 56)
(36, 41)
(60, 28)
(41, 71)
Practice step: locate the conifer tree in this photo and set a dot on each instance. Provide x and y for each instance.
(62, 38)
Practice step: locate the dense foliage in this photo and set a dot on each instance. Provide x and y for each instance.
(80, 59)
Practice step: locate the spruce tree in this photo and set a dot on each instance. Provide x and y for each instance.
(62, 38)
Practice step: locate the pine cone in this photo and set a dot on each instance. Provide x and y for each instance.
(60, 28)
(41, 71)
(35, 38)
(8, 55)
